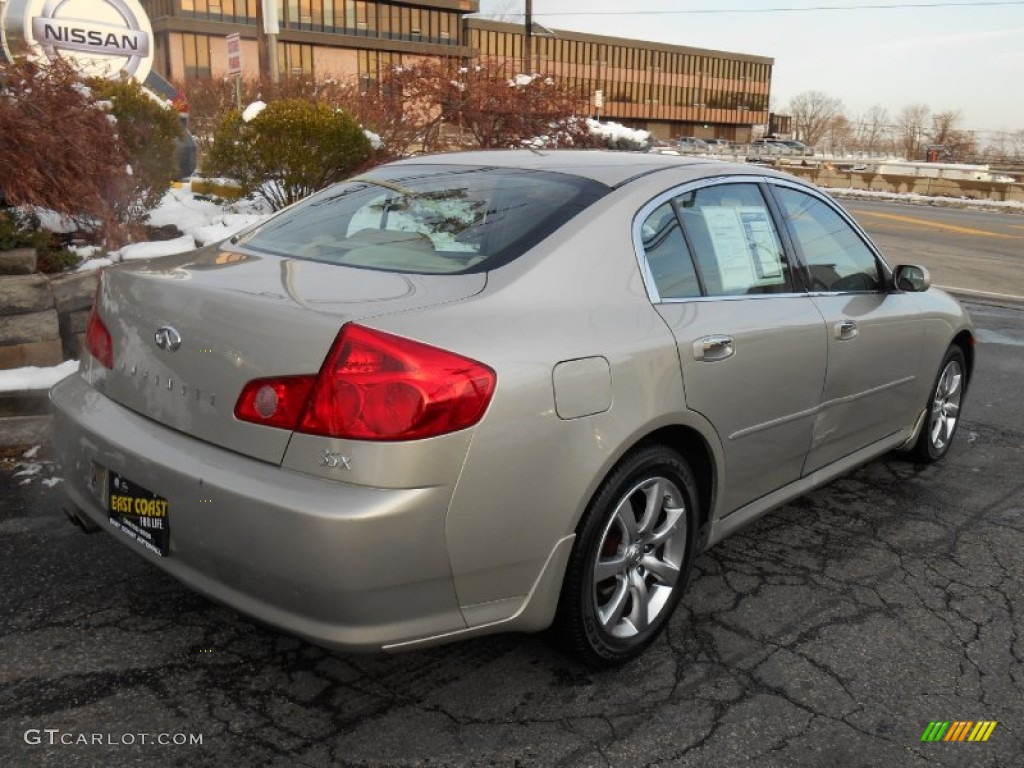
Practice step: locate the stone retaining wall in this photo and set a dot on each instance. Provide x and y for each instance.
(42, 318)
(42, 323)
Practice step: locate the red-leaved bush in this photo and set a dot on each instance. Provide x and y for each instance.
(59, 149)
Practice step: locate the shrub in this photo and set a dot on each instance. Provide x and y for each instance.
(55, 258)
(147, 130)
(17, 229)
(22, 229)
(58, 149)
(290, 149)
(210, 99)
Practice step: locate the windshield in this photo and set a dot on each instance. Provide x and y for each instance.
(427, 218)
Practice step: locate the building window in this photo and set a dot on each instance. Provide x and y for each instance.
(295, 59)
(196, 55)
(242, 11)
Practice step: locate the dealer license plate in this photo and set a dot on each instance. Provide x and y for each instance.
(138, 513)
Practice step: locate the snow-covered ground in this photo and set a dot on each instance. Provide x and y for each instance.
(201, 220)
(20, 379)
(31, 467)
(902, 197)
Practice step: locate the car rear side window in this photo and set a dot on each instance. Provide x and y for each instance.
(733, 238)
(667, 255)
(837, 258)
(428, 219)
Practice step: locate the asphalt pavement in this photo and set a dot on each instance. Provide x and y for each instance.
(833, 632)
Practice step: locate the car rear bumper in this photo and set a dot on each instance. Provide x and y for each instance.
(346, 566)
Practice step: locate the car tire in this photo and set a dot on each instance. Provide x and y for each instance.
(632, 557)
(944, 404)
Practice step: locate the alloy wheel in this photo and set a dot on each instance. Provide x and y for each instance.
(640, 556)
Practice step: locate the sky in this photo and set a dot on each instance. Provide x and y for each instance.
(967, 56)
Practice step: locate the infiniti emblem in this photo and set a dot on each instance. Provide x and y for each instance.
(167, 338)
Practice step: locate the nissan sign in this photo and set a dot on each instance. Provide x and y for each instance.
(101, 38)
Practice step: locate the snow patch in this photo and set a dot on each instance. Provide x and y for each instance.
(31, 377)
(253, 110)
(156, 248)
(223, 227)
(94, 264)
(616, 132)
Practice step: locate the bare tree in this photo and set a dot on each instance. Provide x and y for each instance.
(494, 108)
(873, 129)
(813, 112)
(957, 144)
(401, 108)
(1016, 145)
(839, 132)
(911, 125)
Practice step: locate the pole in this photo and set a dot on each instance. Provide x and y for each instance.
(272, 30)
(528, 40)
(261, 43)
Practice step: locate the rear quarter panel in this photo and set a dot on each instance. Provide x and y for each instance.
(529, 473)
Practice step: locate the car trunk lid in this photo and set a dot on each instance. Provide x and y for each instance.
(189, 331)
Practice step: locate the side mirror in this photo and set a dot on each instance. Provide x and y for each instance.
(911, 278)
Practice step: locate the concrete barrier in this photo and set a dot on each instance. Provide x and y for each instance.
(918, 185)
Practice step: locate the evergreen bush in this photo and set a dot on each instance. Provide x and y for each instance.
(289, 150)
(147, 132)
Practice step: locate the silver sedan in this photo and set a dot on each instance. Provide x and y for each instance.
(496, 391)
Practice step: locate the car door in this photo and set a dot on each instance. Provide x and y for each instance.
(752, 346)
(874, 338)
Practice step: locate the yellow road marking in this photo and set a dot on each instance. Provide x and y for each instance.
(937, 225)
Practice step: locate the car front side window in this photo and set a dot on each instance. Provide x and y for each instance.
(837, 259)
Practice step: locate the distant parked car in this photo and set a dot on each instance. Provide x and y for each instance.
(781, 146)
(692, 143)
(716, 143)
(796, 147)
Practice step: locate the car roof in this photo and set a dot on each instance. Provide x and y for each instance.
(604, 166)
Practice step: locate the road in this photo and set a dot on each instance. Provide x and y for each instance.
(980, 253)
(830, 633)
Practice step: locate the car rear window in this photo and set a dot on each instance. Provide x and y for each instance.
(427, 218)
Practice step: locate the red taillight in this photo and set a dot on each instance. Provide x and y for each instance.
(375, 386)
(97, 337)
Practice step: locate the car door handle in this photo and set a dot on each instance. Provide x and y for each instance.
(846, 329)
(712, 348)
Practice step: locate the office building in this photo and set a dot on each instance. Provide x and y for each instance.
(671, 90)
